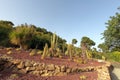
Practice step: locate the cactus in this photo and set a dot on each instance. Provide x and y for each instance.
(54, 39)
(53, 47)
(70, 50)
(45, 52)
(58, 53)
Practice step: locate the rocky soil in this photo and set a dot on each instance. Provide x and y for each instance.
(9, 73)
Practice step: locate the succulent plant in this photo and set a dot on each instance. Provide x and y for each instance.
(45, 52)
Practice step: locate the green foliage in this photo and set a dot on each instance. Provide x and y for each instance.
(112, 33)
(29, 36)
(22, 35)
(86, 44)
(97, 55)
(114, 56)
(89, 54)
(5, 29)
(77, 52)
(74, 41)
(39, 40)
(45, 52)
(103, 47)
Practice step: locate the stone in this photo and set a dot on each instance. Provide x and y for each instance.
(38, 68)
(16, 61)
(61, 74)
(68, 70)
(63, 69)
(36, 73)
(30, 68)
(28, 64)
(35, 64)
(21, 65)
(57, 69)
(74, 70)
(22, 71)
(50, 67)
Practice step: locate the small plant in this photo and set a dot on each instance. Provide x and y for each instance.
(33, 52)
(83, 77)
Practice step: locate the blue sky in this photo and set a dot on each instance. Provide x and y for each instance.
(68, 18)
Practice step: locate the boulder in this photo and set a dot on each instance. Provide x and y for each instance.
(63, 69)
(28, 64)
(30, 68)
(21, 65)
(50, 67)
(17, 61)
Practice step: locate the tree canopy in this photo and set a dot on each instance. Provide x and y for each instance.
(74, 41)
(112, 33)
(5, 29)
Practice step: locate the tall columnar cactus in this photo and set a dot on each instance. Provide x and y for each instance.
(45, 52)
(54, 39)
(70, 50)
(53, 47)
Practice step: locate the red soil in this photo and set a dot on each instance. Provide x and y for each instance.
(24, 55)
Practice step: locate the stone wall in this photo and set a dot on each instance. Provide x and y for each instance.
(42, 69)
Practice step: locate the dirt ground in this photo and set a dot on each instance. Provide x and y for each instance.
(24, 55)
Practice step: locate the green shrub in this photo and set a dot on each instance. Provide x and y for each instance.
(114, 56)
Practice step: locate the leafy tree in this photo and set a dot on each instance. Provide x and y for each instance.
(103, 47)
(86, 44)
(7, 23)
(22, 35)
(74, 41)
(112, 33)
(39, 40)
(5, 28)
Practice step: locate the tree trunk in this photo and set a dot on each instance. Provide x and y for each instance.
(84, 48)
